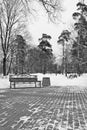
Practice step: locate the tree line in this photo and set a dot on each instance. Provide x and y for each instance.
(26, 59)
(19, 57)
(13, 17)
(78, 47)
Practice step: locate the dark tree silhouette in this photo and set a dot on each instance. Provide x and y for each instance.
(20, 54)
(63, 39)
(46, 50)
(80, 45)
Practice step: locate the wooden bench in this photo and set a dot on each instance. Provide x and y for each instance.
(15, 80)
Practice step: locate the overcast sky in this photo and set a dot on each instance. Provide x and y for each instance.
(41, 24)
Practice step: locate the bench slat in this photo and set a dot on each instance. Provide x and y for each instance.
(23, 79)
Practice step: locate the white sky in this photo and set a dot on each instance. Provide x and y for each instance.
(42, 25)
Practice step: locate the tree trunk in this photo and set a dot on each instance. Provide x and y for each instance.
(63, 61)
(78, 69)
(44, 67)
(22, 69)
(66, 69)
(4, 66)
(9, 69)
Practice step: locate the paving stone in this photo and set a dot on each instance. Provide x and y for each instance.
(44, 109)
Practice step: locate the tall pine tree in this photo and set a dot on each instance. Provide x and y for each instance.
(46, 51)
(79, 47)
(20, 54)
(63, 39)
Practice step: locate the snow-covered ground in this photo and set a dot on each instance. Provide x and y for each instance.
(56, 80)
(4, 82)
(62, 80)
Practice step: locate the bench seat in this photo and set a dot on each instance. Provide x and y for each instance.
(15, 80)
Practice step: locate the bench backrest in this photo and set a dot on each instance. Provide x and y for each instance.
(22, 79)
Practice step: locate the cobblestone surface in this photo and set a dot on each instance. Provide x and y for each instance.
(43, 109)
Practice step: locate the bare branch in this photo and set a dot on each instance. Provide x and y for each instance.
(53, 8)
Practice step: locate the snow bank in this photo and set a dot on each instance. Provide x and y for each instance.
(56, 80)
(4, 82)
(61, 80)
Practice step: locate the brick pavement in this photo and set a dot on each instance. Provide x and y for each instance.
(43, 109)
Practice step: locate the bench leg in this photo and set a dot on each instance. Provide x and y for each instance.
(35, 84)
(40, 84)
(14, 84)
(10, 85)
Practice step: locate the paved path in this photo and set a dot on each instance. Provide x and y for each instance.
(43, 109)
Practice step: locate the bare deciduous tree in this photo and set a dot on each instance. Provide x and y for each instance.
(11, 14)
(52, 7)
